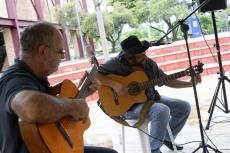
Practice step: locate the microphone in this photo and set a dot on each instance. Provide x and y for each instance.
(158, 43)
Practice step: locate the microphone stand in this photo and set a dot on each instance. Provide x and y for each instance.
(184, 29)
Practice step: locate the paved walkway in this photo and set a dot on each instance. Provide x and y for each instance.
(105, 132)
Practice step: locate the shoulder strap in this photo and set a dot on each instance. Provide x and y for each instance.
(143, 113)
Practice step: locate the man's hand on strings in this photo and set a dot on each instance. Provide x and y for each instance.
(94, 86)
(83, 78)
(120, 89)
(197, 79)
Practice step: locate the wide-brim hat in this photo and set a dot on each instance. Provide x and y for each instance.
(132, 45)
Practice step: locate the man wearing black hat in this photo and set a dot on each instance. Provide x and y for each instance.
(165, 110)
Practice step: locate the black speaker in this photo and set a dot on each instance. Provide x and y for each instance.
(213, 5)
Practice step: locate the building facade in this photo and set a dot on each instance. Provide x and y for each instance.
(15, 15)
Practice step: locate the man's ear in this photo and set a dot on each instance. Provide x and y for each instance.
(42, 49)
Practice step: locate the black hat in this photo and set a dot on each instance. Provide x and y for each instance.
(132, 45)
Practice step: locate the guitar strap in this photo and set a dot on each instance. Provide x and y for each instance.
(144, 111)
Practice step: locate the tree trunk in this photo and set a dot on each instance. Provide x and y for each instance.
(113, 47)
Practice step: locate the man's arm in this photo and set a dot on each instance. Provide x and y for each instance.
(183, 84)
(117, 86)
(54, 90)
(34, 106)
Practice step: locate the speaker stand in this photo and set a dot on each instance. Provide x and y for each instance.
(221, 80)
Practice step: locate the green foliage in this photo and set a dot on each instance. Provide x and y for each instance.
(142, 12)
(90, 26)
(206, 24)
(137, 32)
(144, 32)
(228, 8)
(155, 12)
(66, 15)
(113, 21)
(221, 18)
(127, 3)
(159, 15)
(165, 9)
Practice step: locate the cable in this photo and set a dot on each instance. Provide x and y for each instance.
(163, 140)
(215, 122)
(205, 38)
(150, 135)
(209, 138)
(226, 120)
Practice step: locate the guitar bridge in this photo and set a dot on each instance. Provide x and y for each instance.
(64, 134)
(115, 97)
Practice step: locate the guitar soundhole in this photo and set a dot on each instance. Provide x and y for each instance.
(134, 88)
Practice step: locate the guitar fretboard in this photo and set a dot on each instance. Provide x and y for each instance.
(85, 86)
(148, 84)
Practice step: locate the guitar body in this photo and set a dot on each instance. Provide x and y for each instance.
(136, 82)
(63, 136)
(118, 106)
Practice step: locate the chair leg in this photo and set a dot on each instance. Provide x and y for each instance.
(144, 138)
(171, 138)
(145, 143)
(123, 138)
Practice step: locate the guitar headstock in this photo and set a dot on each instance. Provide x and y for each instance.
(93, 60)
(197, 69)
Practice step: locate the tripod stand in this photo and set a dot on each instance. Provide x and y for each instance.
(184, 29)
(221, 80)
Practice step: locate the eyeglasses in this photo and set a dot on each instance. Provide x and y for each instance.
(60, 50)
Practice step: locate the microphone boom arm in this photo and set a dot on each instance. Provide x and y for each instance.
(180, 22)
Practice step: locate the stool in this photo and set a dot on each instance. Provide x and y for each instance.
(144, 138)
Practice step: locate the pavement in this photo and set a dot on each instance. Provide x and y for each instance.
(105, 132)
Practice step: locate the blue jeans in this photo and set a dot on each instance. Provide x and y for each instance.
(92, 149)
(166, 110)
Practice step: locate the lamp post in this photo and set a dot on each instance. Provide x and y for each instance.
(101, 27)
(79, 26)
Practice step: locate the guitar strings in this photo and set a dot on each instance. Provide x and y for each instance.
(69, 123)
(90, 77)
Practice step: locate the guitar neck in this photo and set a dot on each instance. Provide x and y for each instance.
(148, 84)
(85, 85)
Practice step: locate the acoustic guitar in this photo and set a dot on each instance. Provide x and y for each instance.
(136, 83)
(65, 135)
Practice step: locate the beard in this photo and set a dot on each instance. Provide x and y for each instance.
(136, 62)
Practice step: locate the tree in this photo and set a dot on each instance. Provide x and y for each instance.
(114, 23)
(127, 3)
(154, 12)
(66, 15)
(206, 24)
(166, 10)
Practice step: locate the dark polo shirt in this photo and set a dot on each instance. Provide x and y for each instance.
(16, 78)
